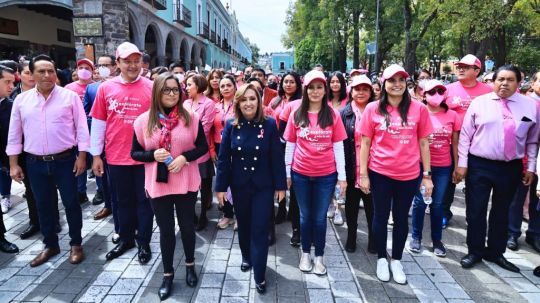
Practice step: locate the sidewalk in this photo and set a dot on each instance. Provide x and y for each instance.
(351, 277)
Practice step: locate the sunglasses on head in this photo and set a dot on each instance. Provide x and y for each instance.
(439, 91)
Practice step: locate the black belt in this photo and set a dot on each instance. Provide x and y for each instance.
(59, 156)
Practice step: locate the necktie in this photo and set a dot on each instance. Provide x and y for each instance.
(509, 131)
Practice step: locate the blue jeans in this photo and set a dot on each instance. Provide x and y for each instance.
(45, 177)
(313, 195)
(441, 176)
(396, 196)
(516, 211)
(5, 183)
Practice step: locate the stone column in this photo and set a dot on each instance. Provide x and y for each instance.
(114, 14)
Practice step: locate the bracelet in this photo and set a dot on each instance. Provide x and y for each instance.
(426, 177)
(364, 177)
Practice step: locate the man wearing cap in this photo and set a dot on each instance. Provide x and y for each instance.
(498, 131)
(459, 96)
(106, 66)
(85, 70)
(118, 103)
(51, 119)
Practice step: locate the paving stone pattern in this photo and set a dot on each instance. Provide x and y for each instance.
(351, 276)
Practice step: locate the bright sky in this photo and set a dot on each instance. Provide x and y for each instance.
(261, 21)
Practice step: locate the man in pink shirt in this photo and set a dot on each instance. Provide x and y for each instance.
(53, 123)
(499, 129)
(85, 69)
(459, 96)
(119, 101)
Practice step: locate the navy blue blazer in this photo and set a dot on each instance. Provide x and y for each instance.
(251, 151)
(88, 100)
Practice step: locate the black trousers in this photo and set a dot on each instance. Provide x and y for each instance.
(352, 207)
(164, 208)
(483, 176)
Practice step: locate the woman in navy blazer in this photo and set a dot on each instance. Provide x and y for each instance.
(252, 163)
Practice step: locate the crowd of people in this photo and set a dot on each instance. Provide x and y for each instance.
(156, 140)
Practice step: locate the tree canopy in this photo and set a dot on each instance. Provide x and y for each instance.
(415, 33)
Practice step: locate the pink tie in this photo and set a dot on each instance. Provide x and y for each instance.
(509, 132)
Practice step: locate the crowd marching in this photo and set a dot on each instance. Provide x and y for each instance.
(156, 139)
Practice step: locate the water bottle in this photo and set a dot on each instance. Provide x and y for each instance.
(169, 160)
(337, 195)
(427, 200)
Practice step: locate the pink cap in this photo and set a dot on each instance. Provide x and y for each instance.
(239, 73)
(312, 76)
(87, 62)
(470, 60)
(359, 80)
(360, 71)
(393, 70)
(126, 49)
(431, 84)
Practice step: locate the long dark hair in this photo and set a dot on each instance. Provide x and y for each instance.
(371, 95)
(342, 89)
(281, 91)
(325, 117)
(403, 107)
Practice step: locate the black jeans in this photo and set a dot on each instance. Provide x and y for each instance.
(352, 207)
(396, 196)
(483, 176)
(164, 208)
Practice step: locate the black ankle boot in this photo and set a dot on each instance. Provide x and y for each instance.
(350, 246)
(166, 286)
(191, 276)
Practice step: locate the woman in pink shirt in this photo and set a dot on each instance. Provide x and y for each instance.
(224, 112)
(337, 91)
(315, 162)
(361, 94)
(205, 107)
(213, 79)
(446, 127)
(395, 134)
(290, 88)
(168, 138)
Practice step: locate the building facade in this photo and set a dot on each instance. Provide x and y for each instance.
(197, 33)
(282, 62)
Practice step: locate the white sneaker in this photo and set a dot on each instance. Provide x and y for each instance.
(224, 222)
(338, 219)
(397, 272)
(305, 263)
(383, 273)
(330, 212)
(319, 268)
(5, 203)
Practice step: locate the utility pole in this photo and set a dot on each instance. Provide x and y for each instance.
(377, 39)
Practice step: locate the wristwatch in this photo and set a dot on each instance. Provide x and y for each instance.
(427, 174)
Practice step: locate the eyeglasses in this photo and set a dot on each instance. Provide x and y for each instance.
(465, 67)
(439, 91)
(168, 90)
(103, 65)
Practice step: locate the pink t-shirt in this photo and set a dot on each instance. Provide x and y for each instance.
(395, 151)
(314, 152)
(288, 109)
(342, 103)
(119, 104)
(80, 89)
(444, 124)
(459, 98)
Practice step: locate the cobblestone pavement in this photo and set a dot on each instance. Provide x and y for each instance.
(351, 277)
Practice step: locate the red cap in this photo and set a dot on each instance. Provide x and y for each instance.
(87, 62)
(314, 75)
(393, 70)
(469, 60)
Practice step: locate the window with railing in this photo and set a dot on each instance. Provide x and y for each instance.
(182, 14)
(158, 4)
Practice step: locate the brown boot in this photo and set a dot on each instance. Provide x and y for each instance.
(76, 255)
(44, 256)
(103, 213)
